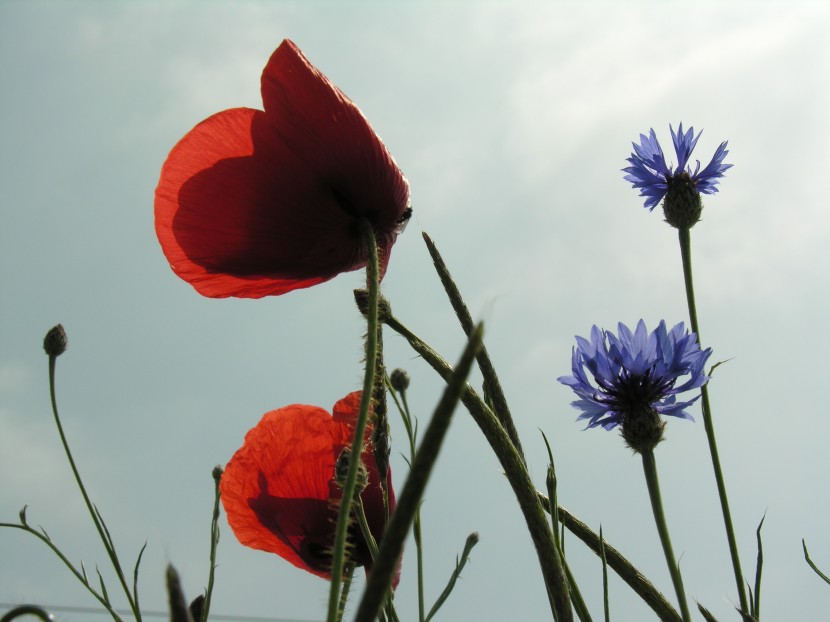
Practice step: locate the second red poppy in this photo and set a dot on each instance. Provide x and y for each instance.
(279, 492)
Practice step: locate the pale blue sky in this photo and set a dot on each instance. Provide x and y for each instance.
(512, 122)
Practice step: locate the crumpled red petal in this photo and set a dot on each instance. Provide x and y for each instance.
(278, 492)
(253, 203)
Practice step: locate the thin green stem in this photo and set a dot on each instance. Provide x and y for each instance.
(686, 257)
(605, 603)
(344, 592)
(79, 574)
(214, 542)
(372, 545)
(550, 561)
(103, 533)
(579, 605)
(344, 513)
(471, 541)
(406, 415)
(391, 546)
(650, 470)
(629, 573)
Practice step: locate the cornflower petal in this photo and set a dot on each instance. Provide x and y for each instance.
(649, 173)
(684, 144)
(707, 179)
(616, 375)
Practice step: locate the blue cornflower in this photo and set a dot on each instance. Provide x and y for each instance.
(636, 376)
(680, 186)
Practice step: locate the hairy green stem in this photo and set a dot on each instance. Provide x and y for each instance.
(650, 470)
(493, 393)
(344, 513)
(391, 546)
(686, 257)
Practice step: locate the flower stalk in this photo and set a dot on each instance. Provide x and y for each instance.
(100, 526)
(398, 383)
(391, 545)
(650, 470)
(344, 513)
(684, 236)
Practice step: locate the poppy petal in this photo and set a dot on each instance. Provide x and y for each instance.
(215, 215)
(330, 135)
(283, 468)
(278, 490)
(253, 203)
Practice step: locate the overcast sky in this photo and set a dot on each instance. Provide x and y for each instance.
(512, 122)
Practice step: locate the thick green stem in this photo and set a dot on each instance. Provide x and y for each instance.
(650, 470)
(686, 257)
(344, 513)
(650, 595)
(515, 469)
(493, 393)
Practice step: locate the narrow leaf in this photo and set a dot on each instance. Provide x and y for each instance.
(812, 565)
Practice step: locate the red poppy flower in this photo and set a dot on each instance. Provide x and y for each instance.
(278, 490)
(254, 203)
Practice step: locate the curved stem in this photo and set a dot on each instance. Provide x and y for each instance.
(650, 470)
(79, 574)
(28, 610)
(650, 595)
(686, 257)
(103, 532)
(344, 513)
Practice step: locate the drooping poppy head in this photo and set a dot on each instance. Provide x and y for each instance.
(255, 203)
(279, 493)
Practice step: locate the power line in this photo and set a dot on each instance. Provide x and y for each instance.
(151, 614)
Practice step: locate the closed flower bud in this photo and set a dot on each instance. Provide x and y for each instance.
(55, 341)
(217, 472)
(361, 297)
(399, 380)
(341, 471)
